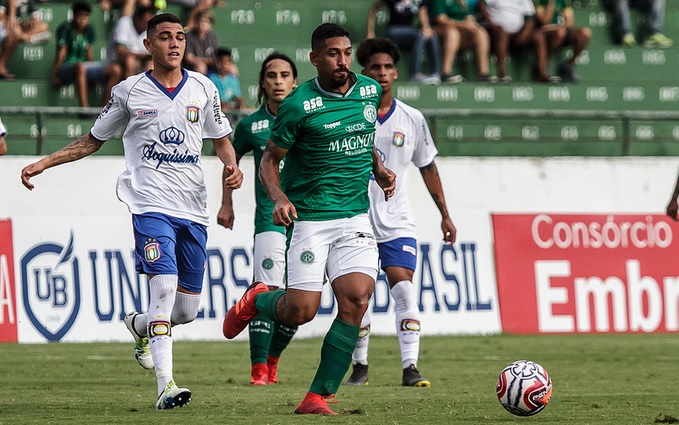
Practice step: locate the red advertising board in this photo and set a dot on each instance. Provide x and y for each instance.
(568, 273)
(8, 311)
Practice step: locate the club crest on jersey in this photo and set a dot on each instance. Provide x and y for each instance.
(398, 139)
(172, 136)
(370, 113)
(151, 250)
(192, 114)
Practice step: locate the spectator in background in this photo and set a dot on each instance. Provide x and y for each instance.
(201, 44)
(73, 62)
(653, 12)
(9, 39)
(402, 31)
(126, 45)
(227, 81)
(29, 27)
(512, 26)
(557, 21)
(456, 26)
(3, 144)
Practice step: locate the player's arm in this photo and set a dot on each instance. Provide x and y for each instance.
(3, 146)
(227, 155)
(225, 214)
(283, 211)
(430, 175)
(383, 176)
(672, 207)
(79, 148)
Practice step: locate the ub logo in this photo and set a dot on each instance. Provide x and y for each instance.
(50, 282)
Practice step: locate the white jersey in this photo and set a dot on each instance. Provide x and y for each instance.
(163, 140)
(510, 15)
(401, 137)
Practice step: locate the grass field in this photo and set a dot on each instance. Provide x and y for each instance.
(598, 379)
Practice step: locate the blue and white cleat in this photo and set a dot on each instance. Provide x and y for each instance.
(173, 396)
(142, 350)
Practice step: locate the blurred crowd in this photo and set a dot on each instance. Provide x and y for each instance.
(435, 32)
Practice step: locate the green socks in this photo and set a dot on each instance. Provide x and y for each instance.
(338, 345)
(261, 333)
(266, 303)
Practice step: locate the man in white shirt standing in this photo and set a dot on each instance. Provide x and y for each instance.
(165, 113)
(401, 137)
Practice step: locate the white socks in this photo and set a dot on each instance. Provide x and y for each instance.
(360, 354)
(185, 308)
(163, 289)
(407, 321)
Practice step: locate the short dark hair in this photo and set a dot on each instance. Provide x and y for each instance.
(324, 32)
(81, 6)
(159, 19)
(261, 93)
(369, 47)
(223, 51)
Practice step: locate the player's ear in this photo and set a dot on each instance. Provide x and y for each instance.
(147, 44)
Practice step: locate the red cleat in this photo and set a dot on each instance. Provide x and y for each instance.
(259, 374)
(272, 364)
(238, 316)
(315, 404)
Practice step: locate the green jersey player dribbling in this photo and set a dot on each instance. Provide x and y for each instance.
(325, 130)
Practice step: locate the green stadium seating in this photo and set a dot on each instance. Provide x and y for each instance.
(613, 79)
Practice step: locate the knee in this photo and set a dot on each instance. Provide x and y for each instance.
(300, 317)
(181, 316)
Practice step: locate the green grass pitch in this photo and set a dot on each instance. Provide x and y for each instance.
(598, 379)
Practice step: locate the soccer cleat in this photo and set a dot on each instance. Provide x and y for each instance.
(658, 41)
(412, 378)
(272, 364)
(142, 350)
(628, 40)
(359, 375)
(316, 404)
(173, 396)
(238, 316)
(259, 374)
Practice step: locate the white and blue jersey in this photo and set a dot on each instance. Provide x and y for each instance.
(402, 136)
(163, 139)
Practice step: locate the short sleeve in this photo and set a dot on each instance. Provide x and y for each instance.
(216, 125)
(113, 117)
(286, 127)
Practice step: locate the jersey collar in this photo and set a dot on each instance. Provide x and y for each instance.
(352, 77)
(173, 94)
(385, 117)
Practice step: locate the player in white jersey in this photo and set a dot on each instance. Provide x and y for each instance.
(401, 137)
(165, 113)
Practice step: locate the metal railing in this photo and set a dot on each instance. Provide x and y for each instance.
(434, 116)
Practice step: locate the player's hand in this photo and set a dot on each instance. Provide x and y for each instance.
(30, 171)
(387, 181)
(672, 209)
(283, 212)
(449, 231)
(235, 179)
(225, 216)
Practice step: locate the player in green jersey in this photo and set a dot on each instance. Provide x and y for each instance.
(268, 339)
(325, 129)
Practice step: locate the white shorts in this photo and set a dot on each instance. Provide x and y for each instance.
(269, 261)
(330, 248)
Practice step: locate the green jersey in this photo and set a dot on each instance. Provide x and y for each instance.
(251, 134)
(559, 7)
(329, 138)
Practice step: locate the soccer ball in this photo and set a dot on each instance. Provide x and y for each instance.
(524, 388)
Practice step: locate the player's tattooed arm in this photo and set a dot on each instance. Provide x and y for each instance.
(79, 148)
